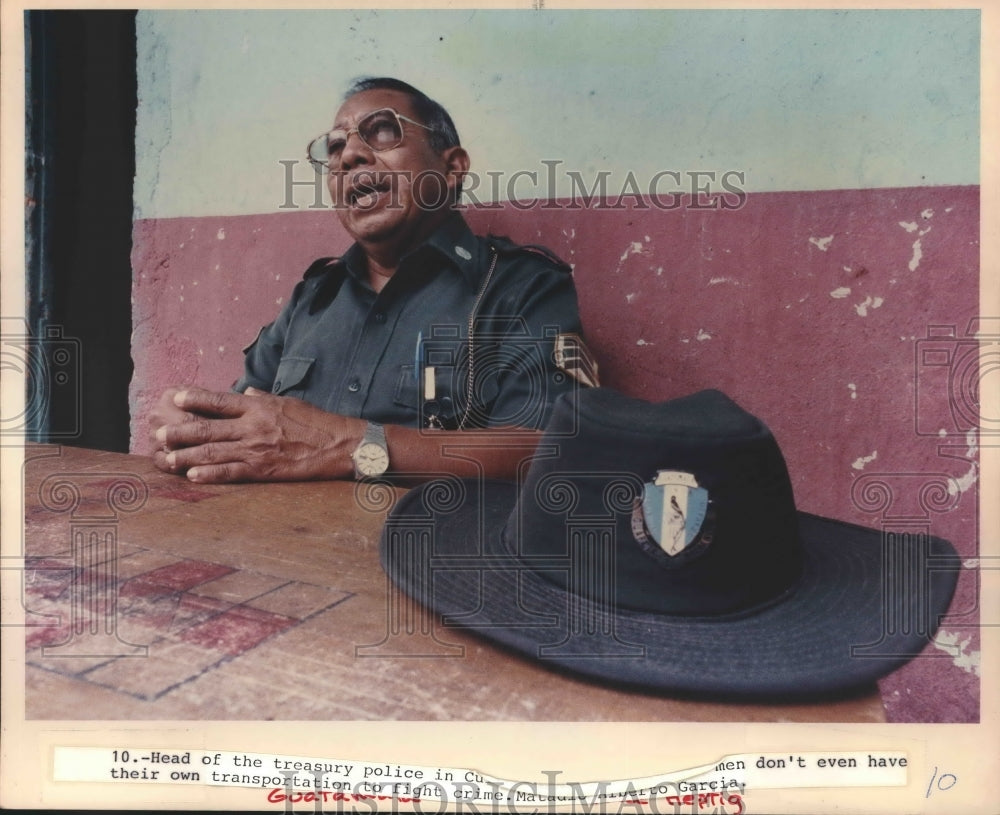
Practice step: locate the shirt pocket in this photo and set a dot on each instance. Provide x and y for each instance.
(448, 393)
(292, 376)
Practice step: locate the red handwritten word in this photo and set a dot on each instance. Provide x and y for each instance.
(279, 796)
(707, 799)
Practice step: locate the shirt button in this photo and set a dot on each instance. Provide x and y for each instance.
(379, 317)
(355, 386)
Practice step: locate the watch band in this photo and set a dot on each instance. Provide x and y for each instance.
(374, 432)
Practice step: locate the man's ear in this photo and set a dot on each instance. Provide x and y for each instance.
(457, 163)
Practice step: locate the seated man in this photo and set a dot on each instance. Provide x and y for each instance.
(370, 367)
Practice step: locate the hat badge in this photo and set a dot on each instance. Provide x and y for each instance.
(671, 512)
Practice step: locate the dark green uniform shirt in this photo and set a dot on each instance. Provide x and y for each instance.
(348, 350)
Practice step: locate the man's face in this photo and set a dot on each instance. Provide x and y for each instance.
(392, 198)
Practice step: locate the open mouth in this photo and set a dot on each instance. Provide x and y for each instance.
(365, 192)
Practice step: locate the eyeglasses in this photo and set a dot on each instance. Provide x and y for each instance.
(381, 130)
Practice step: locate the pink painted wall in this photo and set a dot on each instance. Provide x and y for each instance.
(811, 309)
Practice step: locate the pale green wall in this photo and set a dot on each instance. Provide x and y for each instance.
(795, 100)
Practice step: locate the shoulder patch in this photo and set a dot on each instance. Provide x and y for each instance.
(506, 246)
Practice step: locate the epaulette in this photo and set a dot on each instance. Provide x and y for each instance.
(505, 245)
(326, 289)
(319, 266)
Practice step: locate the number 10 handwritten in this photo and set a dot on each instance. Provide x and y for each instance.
(944, 783)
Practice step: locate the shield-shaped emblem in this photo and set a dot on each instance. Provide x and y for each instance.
(674, 508)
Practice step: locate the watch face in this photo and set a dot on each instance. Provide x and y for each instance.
(371, 459)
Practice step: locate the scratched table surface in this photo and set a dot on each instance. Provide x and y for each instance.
(148, 597)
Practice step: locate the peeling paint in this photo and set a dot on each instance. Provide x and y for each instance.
(909, 226)
(918, 253)
(971, 563)
(957, 486)
(972, 440)
(870, 302)
(634, 249)
(864, 461)
(279, 301)
(644, 342)
(927, 213)
(630, 297)
(715, 281)
(853, 389)
(221, 234)
(840, 293)
(703, 335)
(968, 660)
(822, 243)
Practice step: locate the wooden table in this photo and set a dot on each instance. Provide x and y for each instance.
(149, 597)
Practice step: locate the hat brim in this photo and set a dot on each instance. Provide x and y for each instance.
(866, 603)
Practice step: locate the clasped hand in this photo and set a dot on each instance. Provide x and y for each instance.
(219, 437)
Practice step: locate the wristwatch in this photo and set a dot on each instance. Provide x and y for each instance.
(371, 457)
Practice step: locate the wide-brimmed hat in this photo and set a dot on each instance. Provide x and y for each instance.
(658, 545)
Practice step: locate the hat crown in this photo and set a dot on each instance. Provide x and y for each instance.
(682, 507)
